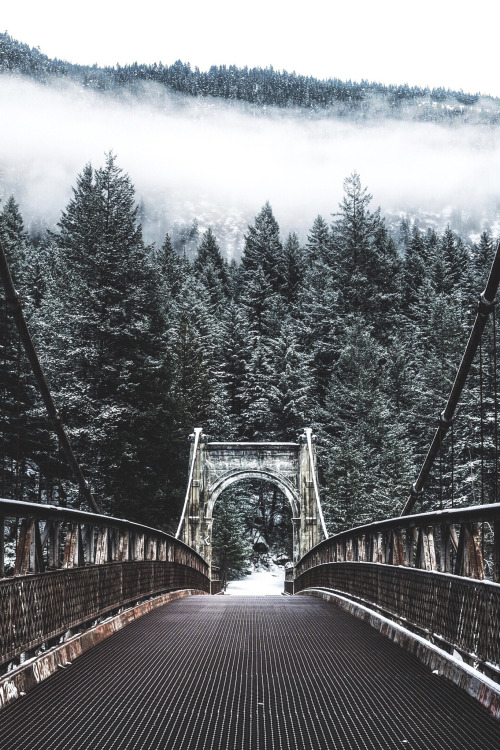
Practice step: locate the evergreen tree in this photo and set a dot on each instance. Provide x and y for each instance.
(259, 302)
(455, 259)
(263, 250)
(369, 462)
(235, 353)
(231, 550)
(290, 389)
(255, 393)
(211, 270)
(414, 268)
(171, 269)
(23, 431)
(320, 320)
(366, 258)
(293, 271)
(482, 259)
(106, 328)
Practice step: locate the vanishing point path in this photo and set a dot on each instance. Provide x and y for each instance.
(250, 673)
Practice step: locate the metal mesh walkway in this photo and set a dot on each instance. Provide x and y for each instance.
(250, 674)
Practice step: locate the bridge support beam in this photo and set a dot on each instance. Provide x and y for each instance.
(197, 529)
(309, 521)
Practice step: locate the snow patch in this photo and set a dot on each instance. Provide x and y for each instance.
(261, 582)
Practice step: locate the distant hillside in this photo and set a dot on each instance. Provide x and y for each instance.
(263, 87)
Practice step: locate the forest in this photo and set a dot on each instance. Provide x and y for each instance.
(357, 333)
(258, 86)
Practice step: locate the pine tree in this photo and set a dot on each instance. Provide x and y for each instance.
(319, 317)
(255, 392)
(231, 549)
(235, 353)
(369, 464)
(211, 270)
(414, 268)
(106, 327)
(293, 271)
(482, 259)
(290, 388)
(22, 431)
(263, 250)
(455, 259)
(366, 258)
(171, 269)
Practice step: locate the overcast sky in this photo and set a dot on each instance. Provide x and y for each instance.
(433, 42)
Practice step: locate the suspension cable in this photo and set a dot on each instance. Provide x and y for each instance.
(4, 402)
(18, 410)
(308, 432)
(452, 465)
(486, 304)
(440, 473)
(495, 399)
(481, 417)
(197, 433)
(15, 306)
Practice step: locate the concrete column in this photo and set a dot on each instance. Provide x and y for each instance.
(194, 525)
(309, 521)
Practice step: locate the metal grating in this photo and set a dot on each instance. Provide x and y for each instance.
(207, 673)
(462, 611)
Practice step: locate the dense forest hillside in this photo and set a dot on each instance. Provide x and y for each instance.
(263, 87)
(355, 332)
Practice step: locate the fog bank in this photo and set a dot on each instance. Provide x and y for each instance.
(219, 162)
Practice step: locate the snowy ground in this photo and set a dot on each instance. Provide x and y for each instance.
(260, 582)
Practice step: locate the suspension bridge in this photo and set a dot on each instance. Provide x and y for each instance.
(115, 635)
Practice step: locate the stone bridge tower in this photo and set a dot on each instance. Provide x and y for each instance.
(216, 466)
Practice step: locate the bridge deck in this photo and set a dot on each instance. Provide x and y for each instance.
(251, 673)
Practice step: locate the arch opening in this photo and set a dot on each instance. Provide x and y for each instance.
(251, 532)
(268, 476)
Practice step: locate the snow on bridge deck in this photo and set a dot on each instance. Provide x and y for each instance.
(253, 673)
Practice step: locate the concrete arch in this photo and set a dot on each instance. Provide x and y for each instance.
(237, 476)
(215, 466)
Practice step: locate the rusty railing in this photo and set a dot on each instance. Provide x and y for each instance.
(216, 583)
(437, 573)
(289, 577)
(63, 568)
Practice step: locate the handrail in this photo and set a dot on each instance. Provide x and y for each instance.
(42, 512)
(197, 433)
(469, 514)
(431, 572)
(89, 538)
(417, 550)
(308, 432)
(68, 567)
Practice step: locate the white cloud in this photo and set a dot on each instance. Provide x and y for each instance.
(189, 156)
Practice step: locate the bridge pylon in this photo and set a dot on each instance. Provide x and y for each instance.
(215, 466)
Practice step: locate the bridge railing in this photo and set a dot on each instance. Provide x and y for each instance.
(62, 568)
(216, 582)
(437, 573)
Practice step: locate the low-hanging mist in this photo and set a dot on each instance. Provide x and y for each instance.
(218, 161)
